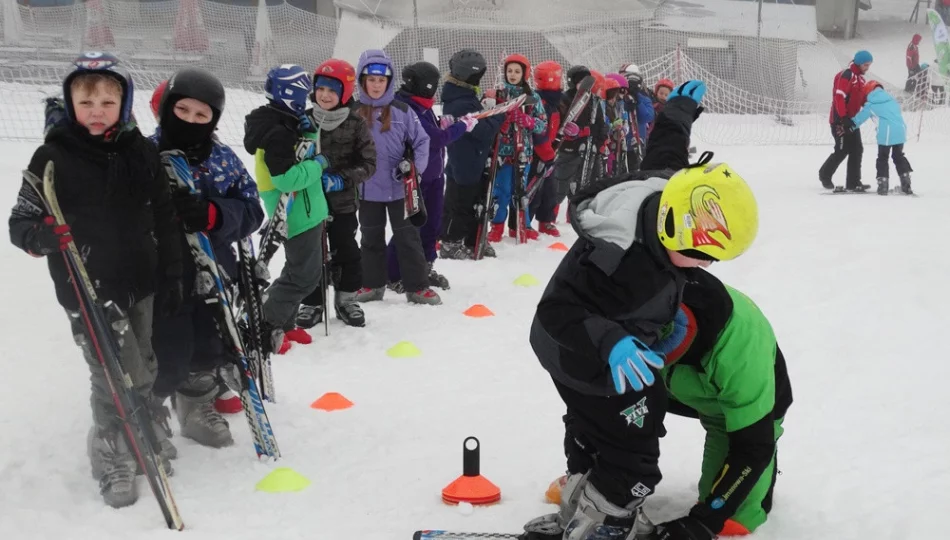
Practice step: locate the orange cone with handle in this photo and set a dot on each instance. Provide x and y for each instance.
(471, 487)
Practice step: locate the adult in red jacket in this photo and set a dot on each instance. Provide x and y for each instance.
(847, 101)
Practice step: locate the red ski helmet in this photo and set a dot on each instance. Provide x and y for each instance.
(523, 61)
(617, 78)
(600, 84)
(548, 75)
(340, 70)
(157, 98)
(664, 83)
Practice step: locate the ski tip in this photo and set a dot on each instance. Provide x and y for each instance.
(417, 535)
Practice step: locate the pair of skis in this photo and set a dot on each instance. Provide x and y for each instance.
(211, 284)
(105, 324)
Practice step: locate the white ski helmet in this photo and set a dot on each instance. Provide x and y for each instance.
(631, 69)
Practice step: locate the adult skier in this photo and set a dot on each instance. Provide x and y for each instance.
(849, 97)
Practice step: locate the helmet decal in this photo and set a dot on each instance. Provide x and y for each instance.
(705, 217)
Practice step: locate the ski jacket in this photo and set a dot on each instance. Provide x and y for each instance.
(543, 143)
(642, 110)
(385, 185)
(271, 136)
(352, 154)
(506, 146)
(617, 279)
(891, 129)
(913, 54)
(724, 366)
(849, 94)
(223, 181)
(439, 139)
(470, 153)
(116, 199)
(598, 132)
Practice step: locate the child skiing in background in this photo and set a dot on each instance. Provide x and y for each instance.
(661, 92)
(607, 303)
(227, 208)
(114, 193)
(420, 83)
(465, 186)
(393, 126)
(640, 109)
(548, 85)
(530, 120)
(282, 139)
(347, 143)
(891, 136)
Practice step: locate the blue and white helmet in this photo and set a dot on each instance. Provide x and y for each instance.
(288, 86)
(107, 64)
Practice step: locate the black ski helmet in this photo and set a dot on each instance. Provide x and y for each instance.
(196, 84)
(421, 79)
(576, 74)
(106, 64)
(468, 66)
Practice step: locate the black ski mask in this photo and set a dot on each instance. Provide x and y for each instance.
(193, 139)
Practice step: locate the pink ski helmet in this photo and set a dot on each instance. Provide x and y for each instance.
(621, 80)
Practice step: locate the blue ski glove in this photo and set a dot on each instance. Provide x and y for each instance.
(305, 124)
(322, 160)
(694, 90)
(332, 183)
(630, 361)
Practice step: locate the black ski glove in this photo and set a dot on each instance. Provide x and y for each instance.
(194, 213)
(46, 238)
(171, 294)
(684, 528)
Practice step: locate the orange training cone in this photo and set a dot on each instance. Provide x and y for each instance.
(478, 310)
(471, 487)
(558, 246)
(331, 401)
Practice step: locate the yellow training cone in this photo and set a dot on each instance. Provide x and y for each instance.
(403, 349)
(281, 480)
(526, 280)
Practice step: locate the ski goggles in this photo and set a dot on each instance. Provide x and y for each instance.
(377, 69)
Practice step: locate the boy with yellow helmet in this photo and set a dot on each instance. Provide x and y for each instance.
(607, 304)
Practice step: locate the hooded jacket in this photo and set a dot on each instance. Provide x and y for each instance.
(891, 129)
(468, 155)
(117, 202)
(913, 54)
(439, 139)
(405, 129)
(271, 136)
(617, 279)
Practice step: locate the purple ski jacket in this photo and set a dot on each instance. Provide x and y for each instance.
(405, 127)
(439, 138)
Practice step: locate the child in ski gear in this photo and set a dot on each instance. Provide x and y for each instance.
(227, 208)
(466, 184)
(287, 158)
(724, 367)
(610, 298)
(891, 135)
(394, 128)
(114, 193)
(547, 84)
(569, 164)
(849, 96)
(640, 109)
(661, 92)
(522, 122)
(420, 83)
(346, 141)
(618, 121)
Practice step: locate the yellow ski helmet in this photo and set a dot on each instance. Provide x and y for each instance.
(708, 209)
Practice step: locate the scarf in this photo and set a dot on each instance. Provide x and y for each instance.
(426, 103)
(329, 120)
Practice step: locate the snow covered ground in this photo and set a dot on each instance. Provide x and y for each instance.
(854, 287)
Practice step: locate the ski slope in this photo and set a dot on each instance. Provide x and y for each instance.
(854, 285)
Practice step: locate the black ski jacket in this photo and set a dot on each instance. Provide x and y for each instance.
(116, 199)
(598, 129)
(616, 280)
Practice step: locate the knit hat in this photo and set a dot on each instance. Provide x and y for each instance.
(862, 57)
(331, 83)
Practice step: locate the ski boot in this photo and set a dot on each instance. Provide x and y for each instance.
(905, 184)
(348, 309)
(309, 316)
(826, 183)
(596, 518)
(298, 335)
(457, 251)
(882, 185)
(112, 465)
(227, 400)
(367, 294)
(436, 279)
(425, 296)
(549, 228)
(859, 188)
(495, 232)
(529, 233)
(396, 287)
(196, 415)
(163, 431)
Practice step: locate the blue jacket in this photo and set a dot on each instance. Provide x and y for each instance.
(467, 155)
(439, 139)
(645, 116)
(891, 129)
(223, 180)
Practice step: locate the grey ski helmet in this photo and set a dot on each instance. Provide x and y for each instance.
(468, 65)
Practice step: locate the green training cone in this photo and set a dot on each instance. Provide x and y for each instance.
(526, 280)
(403, 349)
(281, 480)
